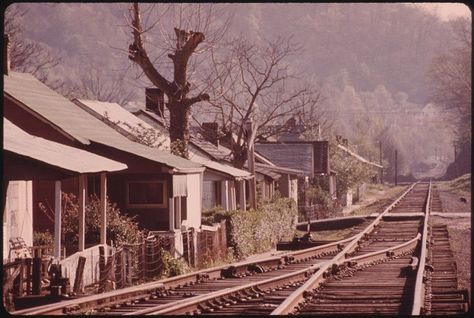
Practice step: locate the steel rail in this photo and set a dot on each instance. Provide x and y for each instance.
(192, 305)
(373, 256)
(139, 291)
(292, 302)
(418, 298)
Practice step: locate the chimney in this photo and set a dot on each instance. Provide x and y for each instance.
(6, 54)
(210, 132)
(155, 100)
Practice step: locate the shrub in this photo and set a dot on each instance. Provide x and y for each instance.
(43, 238)
(257, 231)
(120, 228)
(172, 266)
(350, 171)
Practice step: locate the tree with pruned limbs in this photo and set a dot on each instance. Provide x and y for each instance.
(186, 43)
(255, 82)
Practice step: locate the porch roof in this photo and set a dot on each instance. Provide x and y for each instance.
(55, 154)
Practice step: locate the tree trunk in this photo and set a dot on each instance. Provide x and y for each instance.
(240, 156)
(179, 128)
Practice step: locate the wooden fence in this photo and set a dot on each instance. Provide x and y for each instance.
(212, 243)
(126, 265)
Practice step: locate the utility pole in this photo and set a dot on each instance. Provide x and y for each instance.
(251, 164)
(381, 169)
(396, 170)
(455, 163)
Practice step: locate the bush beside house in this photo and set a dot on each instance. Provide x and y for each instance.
(257, 231)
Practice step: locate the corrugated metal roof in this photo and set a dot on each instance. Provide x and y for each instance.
(358, 157)
(79, 124)
(267, 172)
(119, 116)
(69, 158)
(279, 169)
(226, 169)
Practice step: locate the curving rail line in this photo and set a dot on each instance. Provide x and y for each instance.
(292, 282)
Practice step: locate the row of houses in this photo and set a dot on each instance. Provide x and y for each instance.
(54, 145)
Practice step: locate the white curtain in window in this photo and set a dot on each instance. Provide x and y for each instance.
(180, 185)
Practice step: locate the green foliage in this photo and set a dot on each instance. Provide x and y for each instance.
(257, 231)
(173, 266)
(350, 171)
(317, 195)
(147, 136)
(209, 215)
(43, 238)
(120, 228)
(209, 259)
(178, 148)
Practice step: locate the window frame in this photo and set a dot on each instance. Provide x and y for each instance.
(147, 205)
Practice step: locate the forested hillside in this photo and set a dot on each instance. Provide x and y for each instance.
(370, 62)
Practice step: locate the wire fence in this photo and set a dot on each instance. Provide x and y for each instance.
(126, 265)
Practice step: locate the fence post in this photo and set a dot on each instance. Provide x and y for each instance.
(18, 282)
(36, 276)
(127, 264)
(194, 246)
(102, 276)
(28, 265)
(141, 261)
(118, 269)
(149, 256)
(110, 269)
(79, 274)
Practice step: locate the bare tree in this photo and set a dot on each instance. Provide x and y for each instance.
(191, 23)
(94, 86)
(253, 82)
(450, 75)
(27, 56)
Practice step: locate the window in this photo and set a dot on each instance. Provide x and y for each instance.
(146, 194)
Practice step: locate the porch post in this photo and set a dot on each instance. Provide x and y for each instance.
(225, 194)
(103, 208)
(171, 213)
(232, 201)
(82, 211)
(243, 204)
(57, 219)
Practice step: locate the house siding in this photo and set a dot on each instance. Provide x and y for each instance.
(18, 214)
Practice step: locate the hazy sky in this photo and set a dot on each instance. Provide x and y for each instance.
(447, 10)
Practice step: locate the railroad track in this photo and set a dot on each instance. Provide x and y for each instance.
(379, 270)
(176, 289)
